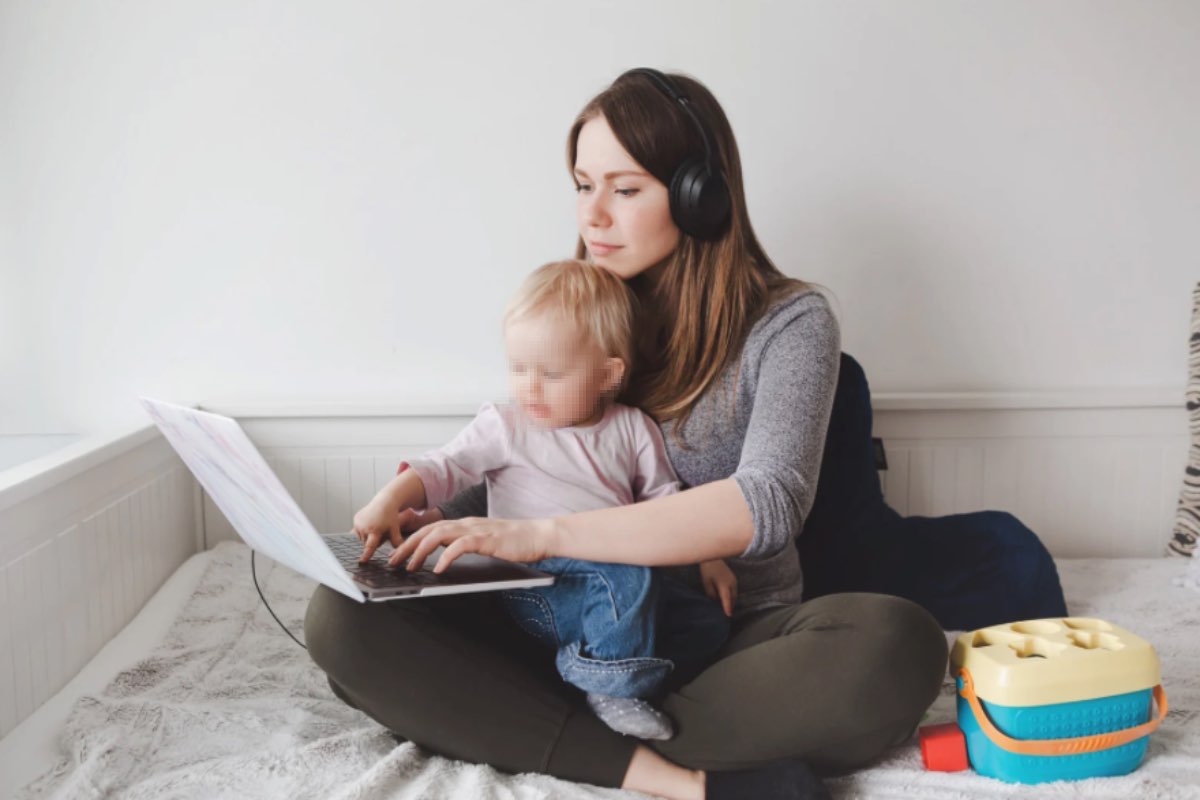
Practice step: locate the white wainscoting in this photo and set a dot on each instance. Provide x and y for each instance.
(333, 460)
(1092, 482)
(87, 535)
(1092, 475)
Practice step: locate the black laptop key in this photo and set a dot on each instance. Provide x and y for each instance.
(378, 576)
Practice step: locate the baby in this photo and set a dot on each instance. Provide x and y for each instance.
(564, 445)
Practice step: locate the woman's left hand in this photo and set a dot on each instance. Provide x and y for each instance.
(720, 584)
(521, 540)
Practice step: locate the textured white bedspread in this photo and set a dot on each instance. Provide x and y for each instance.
(226, 706)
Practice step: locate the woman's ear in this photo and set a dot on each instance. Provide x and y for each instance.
(614, 374)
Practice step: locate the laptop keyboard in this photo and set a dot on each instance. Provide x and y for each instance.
(376, 572)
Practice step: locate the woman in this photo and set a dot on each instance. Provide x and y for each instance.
(738, 365)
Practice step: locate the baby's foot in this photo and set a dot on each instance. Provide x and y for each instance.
(631, 716)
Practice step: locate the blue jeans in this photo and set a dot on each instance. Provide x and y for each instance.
(618, 629)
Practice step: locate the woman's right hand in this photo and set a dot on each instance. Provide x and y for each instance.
(375, 522)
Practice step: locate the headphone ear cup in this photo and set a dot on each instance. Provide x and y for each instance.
(699, 200)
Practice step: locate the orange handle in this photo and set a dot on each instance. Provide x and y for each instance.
(1060, 747)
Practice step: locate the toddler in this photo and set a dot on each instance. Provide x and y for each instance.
(564, 445)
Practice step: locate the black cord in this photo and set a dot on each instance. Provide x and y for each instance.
(254, 574)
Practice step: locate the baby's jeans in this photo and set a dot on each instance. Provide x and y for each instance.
(617, 628)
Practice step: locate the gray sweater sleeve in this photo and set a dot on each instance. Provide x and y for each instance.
(467, 503)
(797, 370)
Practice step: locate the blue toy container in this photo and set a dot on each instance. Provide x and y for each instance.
(1056, 699)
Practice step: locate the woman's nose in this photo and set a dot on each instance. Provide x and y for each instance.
(594, 211)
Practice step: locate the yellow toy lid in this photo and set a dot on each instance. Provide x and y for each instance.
(1044, 661)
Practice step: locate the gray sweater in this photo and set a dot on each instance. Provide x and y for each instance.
(771, 444)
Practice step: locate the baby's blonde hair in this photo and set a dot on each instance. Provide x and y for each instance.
(596, 300)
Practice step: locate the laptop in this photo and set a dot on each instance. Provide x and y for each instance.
(237, 478)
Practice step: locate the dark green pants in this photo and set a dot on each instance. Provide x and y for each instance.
(836, 681)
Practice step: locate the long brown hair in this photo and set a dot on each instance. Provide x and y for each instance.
(693, 310)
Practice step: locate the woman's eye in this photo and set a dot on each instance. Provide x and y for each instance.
(517, 369)
(554, 376)
(627, 192)
(582, 187)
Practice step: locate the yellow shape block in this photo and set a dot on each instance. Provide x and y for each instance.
(1044, 661)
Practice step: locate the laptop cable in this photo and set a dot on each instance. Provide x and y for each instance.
(254, 575)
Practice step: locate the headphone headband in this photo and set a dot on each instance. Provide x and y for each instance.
(700, 201)
(671, 90)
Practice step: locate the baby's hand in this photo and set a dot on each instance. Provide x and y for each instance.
(719, 583)
(375, 522)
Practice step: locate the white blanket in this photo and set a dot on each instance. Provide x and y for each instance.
(229, 707)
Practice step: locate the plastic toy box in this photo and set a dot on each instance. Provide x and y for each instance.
(1055, 699)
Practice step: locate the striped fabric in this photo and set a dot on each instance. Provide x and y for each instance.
(1187, 515)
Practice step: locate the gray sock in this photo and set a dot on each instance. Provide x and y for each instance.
(631, 716)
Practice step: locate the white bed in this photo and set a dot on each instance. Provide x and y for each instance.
(203, 696)
(33, 748)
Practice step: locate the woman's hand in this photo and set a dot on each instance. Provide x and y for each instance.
(521, 540)
(719, 583)
(375, 522)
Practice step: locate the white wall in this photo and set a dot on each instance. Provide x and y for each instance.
(19, 392)
(305, 202)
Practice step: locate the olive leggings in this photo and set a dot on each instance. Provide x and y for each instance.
(835, 681)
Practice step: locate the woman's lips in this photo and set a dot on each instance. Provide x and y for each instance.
(602, 249)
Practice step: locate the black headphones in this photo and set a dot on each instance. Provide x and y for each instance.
(699, 196)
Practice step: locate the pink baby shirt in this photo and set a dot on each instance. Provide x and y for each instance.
(531, 472)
